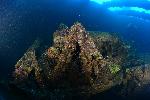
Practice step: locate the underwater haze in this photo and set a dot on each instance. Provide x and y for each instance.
(24, 21)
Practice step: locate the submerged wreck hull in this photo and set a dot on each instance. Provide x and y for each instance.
(79, 64)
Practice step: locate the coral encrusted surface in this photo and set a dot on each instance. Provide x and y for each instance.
(79, 63)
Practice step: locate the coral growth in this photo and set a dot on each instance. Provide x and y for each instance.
(28, 65)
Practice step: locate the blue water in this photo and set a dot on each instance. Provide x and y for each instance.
(22, 21)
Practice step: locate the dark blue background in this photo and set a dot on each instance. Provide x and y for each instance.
(22, 21)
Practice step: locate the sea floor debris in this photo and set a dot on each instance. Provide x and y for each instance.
(80, 63)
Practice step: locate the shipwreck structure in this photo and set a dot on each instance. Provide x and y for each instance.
(79, 63)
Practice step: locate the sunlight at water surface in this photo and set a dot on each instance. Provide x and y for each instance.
(136, 9)
(101, 1)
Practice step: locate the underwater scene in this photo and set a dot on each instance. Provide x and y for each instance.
(74, 49)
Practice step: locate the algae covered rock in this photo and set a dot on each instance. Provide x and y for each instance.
(79, 63)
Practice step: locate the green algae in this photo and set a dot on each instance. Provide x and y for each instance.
(114, 68)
